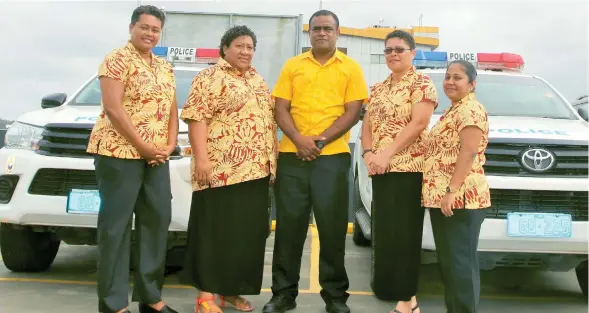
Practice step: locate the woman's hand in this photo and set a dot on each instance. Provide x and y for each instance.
(203, 171)
(447, 202)
(380, 162)
(369, 161)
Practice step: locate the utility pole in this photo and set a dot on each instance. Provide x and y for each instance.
(320, 4)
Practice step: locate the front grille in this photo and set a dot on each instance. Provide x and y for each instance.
(58, 182)
(505, 201)
(505, 159)
(65, 140)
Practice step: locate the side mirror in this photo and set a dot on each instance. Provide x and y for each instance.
(362, 111)
(53, 100)
(583, 113)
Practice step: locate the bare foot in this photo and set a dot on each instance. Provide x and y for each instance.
(414, 305)
(403, 306)
(158, 306)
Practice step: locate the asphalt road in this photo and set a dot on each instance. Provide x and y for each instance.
(69, 286)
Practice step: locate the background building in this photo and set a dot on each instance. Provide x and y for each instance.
(366, 46)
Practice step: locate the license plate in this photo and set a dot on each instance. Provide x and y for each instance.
(80, 201)
(543, 225)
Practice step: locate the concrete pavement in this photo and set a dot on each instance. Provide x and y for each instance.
(69, 286)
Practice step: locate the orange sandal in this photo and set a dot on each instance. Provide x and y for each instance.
(210, 307)
(240, 304)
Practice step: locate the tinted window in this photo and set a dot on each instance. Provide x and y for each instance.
(91, 94)
(511, 96)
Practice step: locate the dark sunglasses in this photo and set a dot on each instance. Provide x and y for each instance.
(398, 50)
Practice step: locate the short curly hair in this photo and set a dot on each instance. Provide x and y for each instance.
(401, 34)
(234, 32)
(149, 10)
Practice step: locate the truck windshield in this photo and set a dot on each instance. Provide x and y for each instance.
(91, 94)
(504, 95)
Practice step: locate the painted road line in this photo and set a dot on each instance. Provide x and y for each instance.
(314, 286)
(350, 226)
(268, 290)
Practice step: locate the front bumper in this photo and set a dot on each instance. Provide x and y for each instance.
(494, 237)
(27, 208)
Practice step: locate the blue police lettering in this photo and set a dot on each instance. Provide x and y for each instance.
(529, 131)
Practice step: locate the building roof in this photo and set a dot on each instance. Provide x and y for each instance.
(424, 35)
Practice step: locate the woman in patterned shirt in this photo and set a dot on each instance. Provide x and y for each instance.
(393, 132)
(232, 133)
(455, 188)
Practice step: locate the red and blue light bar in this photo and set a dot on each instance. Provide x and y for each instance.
(482, 61)
(187, 54)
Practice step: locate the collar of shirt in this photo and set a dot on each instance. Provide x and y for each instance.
(407, 77)
(225, 66)
(134, 51)
(338, 55)
(470, 97)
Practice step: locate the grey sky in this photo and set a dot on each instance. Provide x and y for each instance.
(55, 46)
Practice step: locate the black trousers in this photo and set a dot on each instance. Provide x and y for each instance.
(397, 228)
(127, 187)
(456, 240)
(322, 185)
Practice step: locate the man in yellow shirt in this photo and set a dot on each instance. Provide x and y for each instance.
(319, 96)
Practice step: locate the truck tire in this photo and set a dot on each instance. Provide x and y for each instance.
(581, 272)
(24, 250)
(357, 235)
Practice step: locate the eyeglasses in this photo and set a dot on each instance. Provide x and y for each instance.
(398, 50)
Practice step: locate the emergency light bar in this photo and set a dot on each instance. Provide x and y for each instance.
(187, 55)
(482, 61)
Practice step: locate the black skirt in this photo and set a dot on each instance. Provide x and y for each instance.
(227, 233)
(397, 228)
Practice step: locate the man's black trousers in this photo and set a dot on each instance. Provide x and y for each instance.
(320, 185)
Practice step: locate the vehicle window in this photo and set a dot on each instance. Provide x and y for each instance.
(511, 96)
(91, 95)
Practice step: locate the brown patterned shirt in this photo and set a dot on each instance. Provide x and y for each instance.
(442, 148)
(148, 97)
(389, 111)
(239, 113)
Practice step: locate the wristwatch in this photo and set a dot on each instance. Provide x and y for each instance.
(320, 144)
(450, 190)
(366, 151)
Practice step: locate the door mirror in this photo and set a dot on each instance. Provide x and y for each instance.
(53, 100)
(583, 112)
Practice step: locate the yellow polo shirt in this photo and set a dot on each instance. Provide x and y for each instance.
(318, 93)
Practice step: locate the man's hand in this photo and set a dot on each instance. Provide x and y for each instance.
(306, 148)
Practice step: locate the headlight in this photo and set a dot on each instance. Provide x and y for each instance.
(184, 145)
(23, 136)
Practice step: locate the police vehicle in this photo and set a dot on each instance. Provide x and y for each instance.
(537, 169)
(48, 190)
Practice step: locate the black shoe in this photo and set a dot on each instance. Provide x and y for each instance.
(145, 308)
(337, 307)
(279, 304)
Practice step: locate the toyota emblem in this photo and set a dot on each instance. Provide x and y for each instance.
(538, 160)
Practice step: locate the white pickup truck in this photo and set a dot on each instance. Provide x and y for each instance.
(44, 157)
(537, 169)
